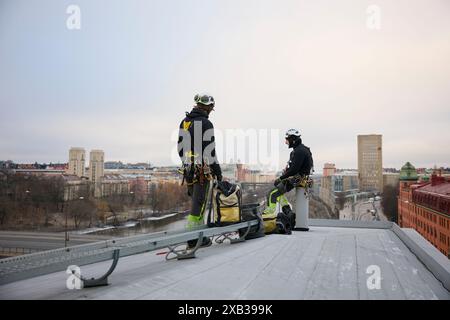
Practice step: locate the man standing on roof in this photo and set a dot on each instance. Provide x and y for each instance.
(196, 148)
(295, 174)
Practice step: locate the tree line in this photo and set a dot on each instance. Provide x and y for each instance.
(35, 202)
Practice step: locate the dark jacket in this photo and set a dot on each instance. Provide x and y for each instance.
(201, 146)
(300, 161)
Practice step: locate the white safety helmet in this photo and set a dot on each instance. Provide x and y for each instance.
(292, 133)
(204, 99)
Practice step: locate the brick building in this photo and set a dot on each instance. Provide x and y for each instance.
(425, 206)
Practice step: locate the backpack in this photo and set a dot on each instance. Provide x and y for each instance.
(252, 212)
(227, 200)
(309, 163)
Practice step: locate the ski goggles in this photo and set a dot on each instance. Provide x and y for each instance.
(204, 99)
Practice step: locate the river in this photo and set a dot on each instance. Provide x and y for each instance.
(170, 223)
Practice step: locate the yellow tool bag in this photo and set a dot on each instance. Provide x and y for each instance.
(227, 204)
(270, 222)
(278, 216)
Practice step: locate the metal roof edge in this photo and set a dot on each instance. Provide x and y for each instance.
(430, 256)
(350, 224)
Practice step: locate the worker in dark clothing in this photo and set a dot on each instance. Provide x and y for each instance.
(196, 148)
(296, 172)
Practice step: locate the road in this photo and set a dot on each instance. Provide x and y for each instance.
(43, 240)
(361, 212)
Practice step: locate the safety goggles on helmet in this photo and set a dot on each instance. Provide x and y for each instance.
(204, 99)
(292, 133)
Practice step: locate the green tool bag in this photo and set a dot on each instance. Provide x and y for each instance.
(227, 204)
(278, 219)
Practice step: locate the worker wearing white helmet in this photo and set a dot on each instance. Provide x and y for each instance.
(199, 159)
(298, 167)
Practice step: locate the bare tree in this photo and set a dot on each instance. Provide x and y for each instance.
(81, 210)
(389, 202)
(340, 200)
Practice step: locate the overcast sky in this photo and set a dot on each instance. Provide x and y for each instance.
(123, 81)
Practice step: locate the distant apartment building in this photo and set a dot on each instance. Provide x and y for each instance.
(40, 172)
(230, 172)
(242, 171)
(425, 206)
(326, 192)
(114, 184)
(345, 183)
(370, 164)
(245, 174)
(29, 166)
(166, 175)
(96, 165)
(8, 164)
(76, 187)
(139, 186)
(96, 171)
(317, 183)
(57, 166)
(329, 169)
(77, 164)
(114, 165)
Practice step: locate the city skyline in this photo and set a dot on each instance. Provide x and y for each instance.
(150, 164)
(124, 80)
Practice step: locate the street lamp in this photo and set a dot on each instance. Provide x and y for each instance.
(66, 234)
(27, 194)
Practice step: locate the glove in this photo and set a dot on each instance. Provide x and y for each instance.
(277, 182)
(219, 178)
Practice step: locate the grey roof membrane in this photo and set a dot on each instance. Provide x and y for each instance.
(324, 263)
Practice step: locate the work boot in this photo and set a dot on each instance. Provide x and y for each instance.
(195, 223)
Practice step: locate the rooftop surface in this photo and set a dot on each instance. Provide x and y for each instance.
(324, 263)
(439, 189)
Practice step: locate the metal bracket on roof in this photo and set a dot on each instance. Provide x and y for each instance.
(242, 237)
(182, 254)
(41, 263)
(224, 236)
(103, 280)
(227, 235)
